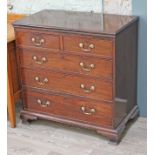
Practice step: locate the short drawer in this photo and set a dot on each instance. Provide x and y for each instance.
(68, 83)
(69, 107)
(37, 39)
(88, 45)
(66, 62)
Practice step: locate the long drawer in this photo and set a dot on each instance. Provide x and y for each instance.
(68, 83)
(45, 59)
(72, 108)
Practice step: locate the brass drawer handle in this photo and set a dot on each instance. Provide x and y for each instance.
(90, 47)
(87, 68)
(37, 43)
(39, 82)
(40, 62)
(87, 111)
(43, 104)
(87, 90)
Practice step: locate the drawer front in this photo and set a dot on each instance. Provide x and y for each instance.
(71, 84)
(68, 107)
(37, 39)
(65, 62)
(88, 45)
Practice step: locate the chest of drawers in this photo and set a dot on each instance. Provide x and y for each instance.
(79, 69)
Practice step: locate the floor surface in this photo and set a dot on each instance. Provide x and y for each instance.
(49, 138)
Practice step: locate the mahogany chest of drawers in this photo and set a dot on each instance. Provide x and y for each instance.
(79, 68)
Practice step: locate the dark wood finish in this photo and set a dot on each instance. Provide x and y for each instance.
(69, 107)
(126, 66)
(101, 47)
(41, 39)
(107, 95)
(68, 83)
(85, 22)
(65, 62)
(114, 134)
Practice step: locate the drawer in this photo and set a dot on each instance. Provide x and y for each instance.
(66, 62)
(68, 83)
(88, 45)
(37, 39)
(68, 107)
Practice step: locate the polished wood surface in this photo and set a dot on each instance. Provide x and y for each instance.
(51, 55)
(68, 83)
(126, 66)
(41, 39)
(50, 60)
(62, 106)
(77, 21)
(100, 47)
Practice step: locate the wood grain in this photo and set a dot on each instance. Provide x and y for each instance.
(69, 107)
(65, 62)
(126, 66)
(13, 85)
(68, 83)
(10, 101)
(101, 47)
(25, 38)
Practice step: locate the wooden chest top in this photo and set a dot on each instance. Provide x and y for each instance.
(85, 22)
